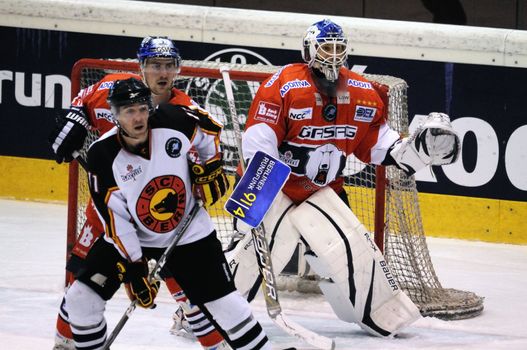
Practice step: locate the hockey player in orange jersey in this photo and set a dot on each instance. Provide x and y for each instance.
(159, 62)
(312, 116)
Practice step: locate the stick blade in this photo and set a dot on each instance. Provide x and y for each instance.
(305, 334)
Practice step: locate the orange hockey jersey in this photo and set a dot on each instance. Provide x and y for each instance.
(93, 101)
(314, 134)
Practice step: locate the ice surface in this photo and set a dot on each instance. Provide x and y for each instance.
(32, 249)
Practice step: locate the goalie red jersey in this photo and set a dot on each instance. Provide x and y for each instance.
(314, 133)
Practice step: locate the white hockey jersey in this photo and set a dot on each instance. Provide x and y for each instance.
(143, 198)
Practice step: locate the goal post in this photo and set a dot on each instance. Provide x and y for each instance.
(383, 198)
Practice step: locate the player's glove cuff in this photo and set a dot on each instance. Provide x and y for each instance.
(135, 276)
(209, 180)
(69, 134)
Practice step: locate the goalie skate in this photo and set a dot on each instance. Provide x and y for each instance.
(181, 327)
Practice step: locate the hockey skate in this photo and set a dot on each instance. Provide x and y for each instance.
(235, 238)
(220, 346)
(62, 343)
(181, 327)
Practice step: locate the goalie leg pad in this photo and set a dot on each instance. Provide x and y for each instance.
(360, 285)
(338, 301)
(282, 238)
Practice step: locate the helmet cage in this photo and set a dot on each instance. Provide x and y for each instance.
(326, 48)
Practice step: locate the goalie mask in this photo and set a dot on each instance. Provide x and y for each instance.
(325, 48)
(161, 47)
(127, 92)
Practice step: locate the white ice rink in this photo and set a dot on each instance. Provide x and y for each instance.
(32, 249)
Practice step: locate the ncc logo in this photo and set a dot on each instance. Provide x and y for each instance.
(301, 113)
(364, 114)
(103, 113)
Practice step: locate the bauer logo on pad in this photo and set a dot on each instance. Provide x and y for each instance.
(263, 179)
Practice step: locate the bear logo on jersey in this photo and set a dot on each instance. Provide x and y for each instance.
(324, 164)
(173, 147)
(167, 204)
(161, 205)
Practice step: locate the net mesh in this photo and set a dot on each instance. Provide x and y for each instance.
(393, 202)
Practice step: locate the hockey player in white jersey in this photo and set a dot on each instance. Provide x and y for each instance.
(142, 185)
(160, 62)
(312, 116)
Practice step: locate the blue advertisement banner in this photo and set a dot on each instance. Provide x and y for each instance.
(485, 103)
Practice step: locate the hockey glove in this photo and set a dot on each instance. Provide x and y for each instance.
(209, 180)
(434, 142)
(69, 134)
(135, 276)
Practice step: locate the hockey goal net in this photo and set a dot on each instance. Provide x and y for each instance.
(384, 199)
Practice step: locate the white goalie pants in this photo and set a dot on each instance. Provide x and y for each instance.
(356, 280)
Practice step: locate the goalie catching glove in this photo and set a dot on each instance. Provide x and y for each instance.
(209, 180)
(69, 134)
(434, 142)
(135, 277)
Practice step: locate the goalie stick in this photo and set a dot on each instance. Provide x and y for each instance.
(269, 289)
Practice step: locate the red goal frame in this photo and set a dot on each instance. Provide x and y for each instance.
(214, 73)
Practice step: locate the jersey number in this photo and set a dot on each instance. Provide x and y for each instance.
(93, 182)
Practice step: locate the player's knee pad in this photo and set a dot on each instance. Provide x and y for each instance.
(282, 238)
(83, 305)
(358, 285)
(86, 315)
(233, 314)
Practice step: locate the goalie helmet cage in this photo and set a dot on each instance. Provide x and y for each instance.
(384, 199)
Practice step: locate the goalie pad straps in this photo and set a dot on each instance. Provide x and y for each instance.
(434, 142)
(359, 285)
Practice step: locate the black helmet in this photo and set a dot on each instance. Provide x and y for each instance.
(129, 91)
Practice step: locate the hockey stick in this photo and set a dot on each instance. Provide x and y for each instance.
(270, 291)
(159, 265)
(77, 156)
